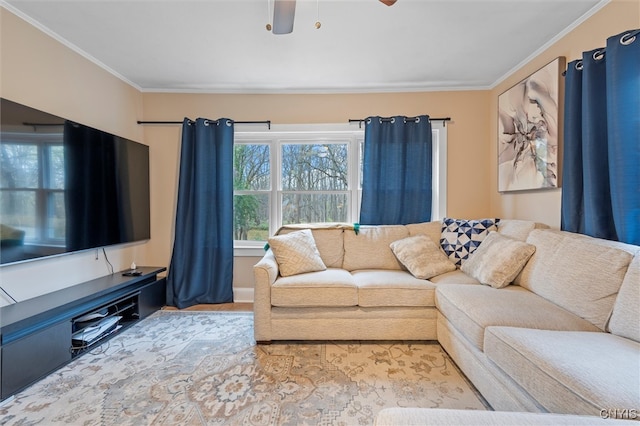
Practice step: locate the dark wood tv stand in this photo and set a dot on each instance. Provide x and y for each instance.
(37, 335)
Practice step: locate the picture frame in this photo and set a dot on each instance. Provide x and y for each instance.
(529, 129)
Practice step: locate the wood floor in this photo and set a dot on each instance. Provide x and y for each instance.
(232, 307)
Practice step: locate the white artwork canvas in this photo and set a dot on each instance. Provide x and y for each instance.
(528, 131)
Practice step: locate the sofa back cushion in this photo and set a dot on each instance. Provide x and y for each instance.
(625, 319)
(329, 243)
(369, 248)
(579, 273)
(518, 229)
(431, 229)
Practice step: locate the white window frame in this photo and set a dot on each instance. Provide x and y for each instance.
(439, 177)
(353, 136)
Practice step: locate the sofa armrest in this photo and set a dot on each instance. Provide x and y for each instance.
(267, 268)
(265, 273)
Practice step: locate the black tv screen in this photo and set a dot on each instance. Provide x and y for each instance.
(67, 187)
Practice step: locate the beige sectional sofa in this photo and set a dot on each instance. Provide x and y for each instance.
(364, 294)
(562, 338)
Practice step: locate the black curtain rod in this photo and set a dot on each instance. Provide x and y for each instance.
(25, 123)
(267, 122)
(386, 119)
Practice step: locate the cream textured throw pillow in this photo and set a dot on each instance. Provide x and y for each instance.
(422, 257)
(296, 253)
(498, 260)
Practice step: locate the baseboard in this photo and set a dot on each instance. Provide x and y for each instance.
(243, 295)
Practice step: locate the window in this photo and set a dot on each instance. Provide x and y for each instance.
(306, 173)
(314, 181)
(32, 187)
(252, 191)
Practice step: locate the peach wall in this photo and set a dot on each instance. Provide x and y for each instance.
(544, 206)
(40, 72)
(467, 140)
(37, 71)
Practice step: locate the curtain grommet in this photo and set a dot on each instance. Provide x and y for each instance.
(393, 120)
(206, 122)
(228, 123)
(417, 119)
(627, 39)
(598, 55)
(579, 65)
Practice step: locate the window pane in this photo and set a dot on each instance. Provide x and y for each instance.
(309, 208)
(251, 167)
(314, 167)
(19, 211)
(56, 216)
(56, 167)
(251, 217)
(18, 166)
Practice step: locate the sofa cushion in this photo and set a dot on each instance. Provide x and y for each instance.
(579, 273)
(329, 242)
(518, 229)
(392, 288)
(472, 308)
(459, 237)
(454, 277)
(625, 319)
(421, 256)
(498, 260)
(569, 371)
(369, 248)
(332, 287)
(296, 253)
(431, 229)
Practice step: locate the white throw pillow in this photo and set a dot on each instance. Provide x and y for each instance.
(422, 257)
(296, 253)
(498, 260)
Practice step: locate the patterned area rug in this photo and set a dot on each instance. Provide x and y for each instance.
(204, 368)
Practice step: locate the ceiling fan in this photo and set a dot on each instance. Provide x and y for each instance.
(284, 12)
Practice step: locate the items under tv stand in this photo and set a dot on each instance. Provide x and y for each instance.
(90, 329)
(40, 335)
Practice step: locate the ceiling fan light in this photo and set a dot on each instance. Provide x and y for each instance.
(283, 14)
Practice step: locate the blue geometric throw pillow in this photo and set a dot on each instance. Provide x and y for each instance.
(460, 238)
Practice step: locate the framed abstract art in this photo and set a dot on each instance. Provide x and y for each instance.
(528, 128)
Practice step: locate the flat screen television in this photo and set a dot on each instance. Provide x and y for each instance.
(66, 187)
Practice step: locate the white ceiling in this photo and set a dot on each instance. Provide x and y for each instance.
(222, 46)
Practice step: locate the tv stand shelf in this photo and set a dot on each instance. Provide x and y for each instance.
(94, 327)
(40, 335)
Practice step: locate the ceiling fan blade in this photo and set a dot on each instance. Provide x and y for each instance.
(283, 14)
(388, 2)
